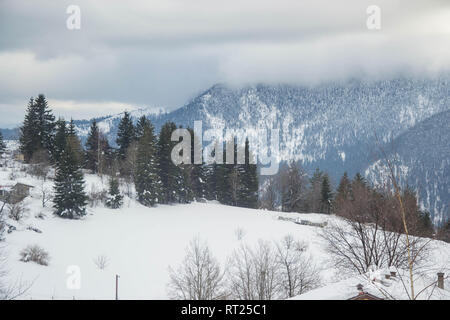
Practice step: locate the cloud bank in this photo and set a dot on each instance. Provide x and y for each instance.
(162, 52)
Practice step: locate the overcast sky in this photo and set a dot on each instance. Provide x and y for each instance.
(161, 53)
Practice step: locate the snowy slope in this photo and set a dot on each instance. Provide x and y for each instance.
(140, 242)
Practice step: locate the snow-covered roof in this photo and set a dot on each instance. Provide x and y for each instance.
(376, 284)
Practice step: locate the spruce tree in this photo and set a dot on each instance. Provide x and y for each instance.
(60, 139)
(70, 198)
(37, 131)
(293, 188)
(125, 134)
(343, 192)
(46, 123)
(196, 179)
(140, 125)
(114, 199)
(98, 153)
(147, 181)
(171, 175)
(211, 181)
(248, 181)
(92, 147)
(29, 137)
(327, 195)
(71, 130)
(2, 144)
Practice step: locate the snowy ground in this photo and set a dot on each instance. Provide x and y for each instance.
(139, 242)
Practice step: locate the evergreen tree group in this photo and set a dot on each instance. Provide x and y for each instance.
(2, 144)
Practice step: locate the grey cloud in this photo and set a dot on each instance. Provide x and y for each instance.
(162, 52)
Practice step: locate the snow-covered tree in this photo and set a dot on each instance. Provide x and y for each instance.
(146, 179)
(70, 198)
(114, 198)
(125, 134)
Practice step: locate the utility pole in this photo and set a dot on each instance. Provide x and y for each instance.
(117, 287)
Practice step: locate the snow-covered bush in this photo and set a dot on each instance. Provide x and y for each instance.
(114, 199)
(36, 254)
(16, 211)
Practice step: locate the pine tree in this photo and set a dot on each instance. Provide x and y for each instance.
(98, 153)
(171, 175)
(46, 123)
(2, 144)
(71, 130)
(315, 192)
(226, 180)
(359, 179)
(327, 195)
(60, 139)
(140, 125)
(114, 199)
(293, 188)
(37, 131)
(29, 139)
(92, 147)
(248, 188)
(211, 177)
(125, 134)
(70, 198)
(343, 192)
(147, 181)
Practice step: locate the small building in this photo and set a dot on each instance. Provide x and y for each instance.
(19, 157)
(14, 193)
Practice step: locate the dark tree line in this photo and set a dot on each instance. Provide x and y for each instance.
(291, 190)
(141, 157)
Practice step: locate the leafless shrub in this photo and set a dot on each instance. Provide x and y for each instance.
(39, 164)
(10, 290)
(46, 193)
(199, 277)
(16, 211)
(101, 262)
(96, 197)
(297, 272)
(240, 233)
(36, 254)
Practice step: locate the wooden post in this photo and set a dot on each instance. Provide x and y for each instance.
(117, 287)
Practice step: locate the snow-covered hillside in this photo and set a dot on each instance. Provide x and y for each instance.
(140, 242)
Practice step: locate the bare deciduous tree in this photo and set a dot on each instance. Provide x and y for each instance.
(199, 277)
(297, 272)
(252, 273)
(269, 194)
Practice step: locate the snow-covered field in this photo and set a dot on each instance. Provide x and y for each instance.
(139, 242)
